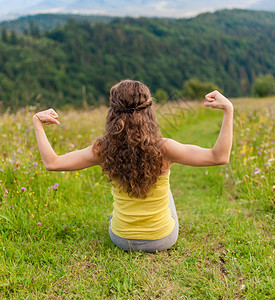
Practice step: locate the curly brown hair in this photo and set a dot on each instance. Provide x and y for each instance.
(131, 148)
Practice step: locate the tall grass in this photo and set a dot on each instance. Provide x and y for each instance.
(54, 240)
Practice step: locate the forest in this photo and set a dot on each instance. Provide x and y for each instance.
(78, 61)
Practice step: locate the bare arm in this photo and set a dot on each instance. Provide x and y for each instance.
(75, 160)
(196, 156)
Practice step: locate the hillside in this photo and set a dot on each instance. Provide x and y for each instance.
(229, 48)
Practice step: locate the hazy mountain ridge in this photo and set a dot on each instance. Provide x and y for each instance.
(11, 9)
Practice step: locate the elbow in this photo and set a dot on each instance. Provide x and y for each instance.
(49, 166)
(220, 158)
(51, 163)
(223, 161)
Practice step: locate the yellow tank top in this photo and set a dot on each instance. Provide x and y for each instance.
(148, 218)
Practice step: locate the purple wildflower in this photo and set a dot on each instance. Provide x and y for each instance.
(1, 170)
(259, 152)
(19, 151)
(35, 164)
(39, 223)
(54, 187)
(257, 171)
(11, 207)
(23, 189)
(226, 176)
(5, 195)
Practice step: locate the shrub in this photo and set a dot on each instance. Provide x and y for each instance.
(264, 85)
(161, 95)
(195, 89)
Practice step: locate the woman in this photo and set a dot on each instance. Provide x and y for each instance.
(137, 160)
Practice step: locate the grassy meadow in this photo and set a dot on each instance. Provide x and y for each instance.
(54, 241)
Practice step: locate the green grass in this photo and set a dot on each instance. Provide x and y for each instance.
(225, 248)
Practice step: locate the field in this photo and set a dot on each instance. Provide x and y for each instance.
(54, 241)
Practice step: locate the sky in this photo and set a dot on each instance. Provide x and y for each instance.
(163, 8)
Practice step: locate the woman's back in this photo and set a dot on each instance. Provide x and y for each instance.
(143, 218)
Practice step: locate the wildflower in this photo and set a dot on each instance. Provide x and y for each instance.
(1, 170)
(206, 172)
(256, 171)
(23, 189)
(39, 223)
(226, 176)
(259, 152)
(11, 207)
(19, 151)
(35, 164)
(5, 195)
(54, 187)
(270, 161)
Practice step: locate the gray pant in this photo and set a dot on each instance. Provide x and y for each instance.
(149, 245)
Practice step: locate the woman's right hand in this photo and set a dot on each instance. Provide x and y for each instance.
(216, 100)
(47, 117)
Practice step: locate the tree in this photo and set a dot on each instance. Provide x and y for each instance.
(195, 89)
(264, 85)
(34, 30)
(13, 38)
(4, 35)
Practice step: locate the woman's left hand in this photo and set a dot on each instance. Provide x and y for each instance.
(47, 117)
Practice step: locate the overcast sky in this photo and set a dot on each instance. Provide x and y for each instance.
(175, 8)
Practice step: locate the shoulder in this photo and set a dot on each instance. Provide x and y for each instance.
(167, 146)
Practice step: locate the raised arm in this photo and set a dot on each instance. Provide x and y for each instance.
(196, 156)
(72, 161)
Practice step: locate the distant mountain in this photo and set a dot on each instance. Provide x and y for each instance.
(49, 21)
(51, 4)
(267, 5)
